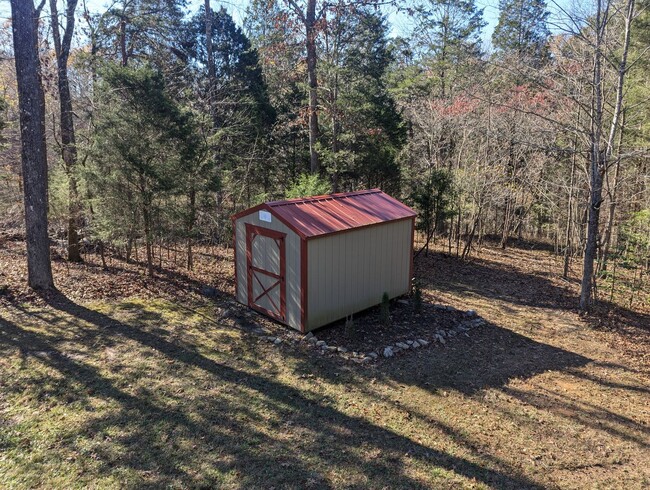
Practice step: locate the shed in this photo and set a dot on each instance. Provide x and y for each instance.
(309, 262)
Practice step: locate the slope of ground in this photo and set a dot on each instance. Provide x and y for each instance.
(125, 381)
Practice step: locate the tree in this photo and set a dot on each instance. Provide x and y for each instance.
(309, 18)
(235, 77)
(143, 30)
(32, 131)
(602, 141)
(68, 140)
(362, 130)
(448, 35)
(433, 200)
(145, 145)
(522, 29)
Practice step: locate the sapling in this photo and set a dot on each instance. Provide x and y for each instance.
(384, 310)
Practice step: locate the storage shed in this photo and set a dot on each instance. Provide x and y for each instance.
(308, 262)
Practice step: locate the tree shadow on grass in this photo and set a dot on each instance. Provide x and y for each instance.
(236, 426)
(496, 281)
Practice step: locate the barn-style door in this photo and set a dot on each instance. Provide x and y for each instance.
(265, 256)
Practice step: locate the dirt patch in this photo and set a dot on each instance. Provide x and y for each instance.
(368, 333)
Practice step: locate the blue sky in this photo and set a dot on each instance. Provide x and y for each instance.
(237, 8)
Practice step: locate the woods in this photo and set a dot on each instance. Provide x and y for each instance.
(156, 122)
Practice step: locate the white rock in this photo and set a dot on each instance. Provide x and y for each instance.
(470, 313)
(308, 336)
(374, 355)
(277, 341)
(423, 342)
(321, 343)
(342, 349)
(402, 345)
(332, 348)
(388, 352)
(409, 342)
(415, 344)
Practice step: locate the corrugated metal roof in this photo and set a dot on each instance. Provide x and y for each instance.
(332, 213)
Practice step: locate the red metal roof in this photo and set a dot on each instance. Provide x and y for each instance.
(332, 213)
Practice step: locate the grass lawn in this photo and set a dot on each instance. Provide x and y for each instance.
(156, 392)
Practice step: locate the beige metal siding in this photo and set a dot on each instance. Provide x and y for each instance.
(292, 273)
(349, 272)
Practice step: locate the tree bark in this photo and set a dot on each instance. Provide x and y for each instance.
(212, 76)
(600, 153)
(190, 227)
(31, 103)
(613, 196)
(68, 142)
(314, 130)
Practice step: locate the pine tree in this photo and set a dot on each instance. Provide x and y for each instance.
(140, 31)
(365, 129)
(522, 29)
(448, 35)
(237, 72)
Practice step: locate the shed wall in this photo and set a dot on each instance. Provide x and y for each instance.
(349, 272)
(292, 273)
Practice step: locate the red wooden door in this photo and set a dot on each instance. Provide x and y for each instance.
(265, 256)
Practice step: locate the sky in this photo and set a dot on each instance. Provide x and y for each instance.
(399, 22)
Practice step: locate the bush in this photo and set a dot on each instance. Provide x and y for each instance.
(417, 296)
(308, 185)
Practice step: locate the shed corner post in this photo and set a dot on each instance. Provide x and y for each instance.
(412, 266)
(304, 278)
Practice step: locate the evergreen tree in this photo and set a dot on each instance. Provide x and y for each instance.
(145, 148)
(140, 31)
(366, 130)
(522, 29)
(236, 69)
(448, 36)
(235, 95)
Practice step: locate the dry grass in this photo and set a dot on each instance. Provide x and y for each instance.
(154, 391)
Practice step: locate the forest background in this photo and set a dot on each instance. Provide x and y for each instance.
(163, 119)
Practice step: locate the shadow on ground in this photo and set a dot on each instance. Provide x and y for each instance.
(164, 439)
(496, 281)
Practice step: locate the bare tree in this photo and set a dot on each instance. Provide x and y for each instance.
(601, 146)
(31, 103)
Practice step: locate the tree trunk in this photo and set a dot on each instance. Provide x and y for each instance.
(600, 153)
(607, 241)
(123, 51)
(146, 218)
(68, 143)
(470, 237)
(31, 103)
(567, 238)
(190, 228)
(314, 131)
(212, 76)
